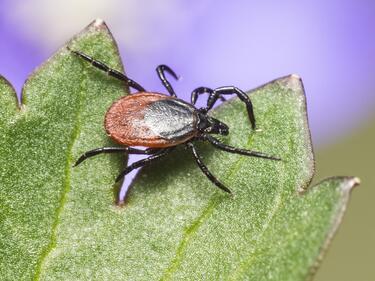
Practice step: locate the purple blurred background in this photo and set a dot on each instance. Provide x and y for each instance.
(246, 43)
(330, 44)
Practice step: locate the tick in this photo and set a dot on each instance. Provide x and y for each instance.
(161, 122)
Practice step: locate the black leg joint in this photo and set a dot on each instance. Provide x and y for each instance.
(199, 91)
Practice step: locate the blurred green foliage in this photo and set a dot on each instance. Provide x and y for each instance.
(352, 253)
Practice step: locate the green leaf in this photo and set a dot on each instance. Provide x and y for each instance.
(60, 223)
(61, 116)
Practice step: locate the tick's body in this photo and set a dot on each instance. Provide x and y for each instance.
(151, 120)
(160, 122)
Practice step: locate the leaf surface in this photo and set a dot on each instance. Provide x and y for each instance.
(60, 223)
(61, 115)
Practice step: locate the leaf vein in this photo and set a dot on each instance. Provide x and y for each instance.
(193, 228)
(66, 185)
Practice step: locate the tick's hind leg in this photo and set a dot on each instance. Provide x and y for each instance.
(110, 71)
(158, 154)
(205, 170)
(125, 149)
(161, 69)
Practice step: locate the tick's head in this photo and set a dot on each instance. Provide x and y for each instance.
(210, 125)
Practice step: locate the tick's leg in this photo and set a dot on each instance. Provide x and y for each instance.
(161, 69)
(125, 149)
(230, 90)
(201, 90)
(205, 170)
(111, 72)
(143, 162)
(236, 150)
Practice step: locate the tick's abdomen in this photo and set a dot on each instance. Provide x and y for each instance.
(150, 120)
